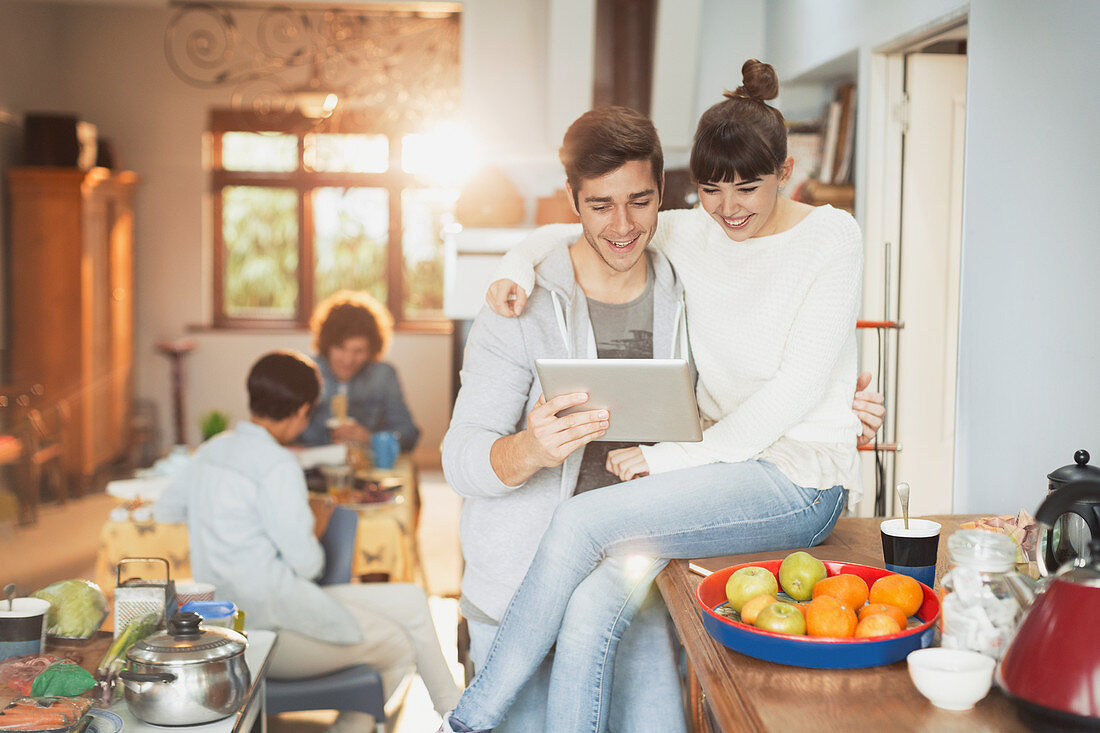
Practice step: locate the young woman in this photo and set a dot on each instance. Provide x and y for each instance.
(772, 289)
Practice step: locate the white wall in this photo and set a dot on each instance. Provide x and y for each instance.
(732, 31)
(1029, 311)
(1029, 321)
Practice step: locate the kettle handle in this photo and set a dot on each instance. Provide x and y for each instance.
(1054, 506)
(1061, 500)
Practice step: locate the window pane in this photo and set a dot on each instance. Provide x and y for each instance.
(352, 153)
(416, 153)
(352, 227)
(260, 232)
(425, 211)
(259, 151)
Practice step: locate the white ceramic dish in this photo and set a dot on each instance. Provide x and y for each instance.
(103, 721)
(951, 679)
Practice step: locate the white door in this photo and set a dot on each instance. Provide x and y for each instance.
(928, 294)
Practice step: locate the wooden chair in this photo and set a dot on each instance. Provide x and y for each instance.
(33, 446)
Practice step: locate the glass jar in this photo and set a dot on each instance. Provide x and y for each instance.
(983, 598)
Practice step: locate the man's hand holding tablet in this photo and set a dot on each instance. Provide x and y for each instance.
(551, 438)
(548, 438)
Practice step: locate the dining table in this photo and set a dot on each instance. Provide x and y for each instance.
(385, 546)
(250, 717)
(731, 692)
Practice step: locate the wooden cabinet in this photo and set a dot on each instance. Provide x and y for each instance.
(71, 270)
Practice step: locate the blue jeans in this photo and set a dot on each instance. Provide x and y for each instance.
(706, 511)
(645, 691)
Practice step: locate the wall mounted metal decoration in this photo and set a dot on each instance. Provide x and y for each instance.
(387, 67)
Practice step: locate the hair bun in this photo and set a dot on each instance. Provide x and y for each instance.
(758, 81)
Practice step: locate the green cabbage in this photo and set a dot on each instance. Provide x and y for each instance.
(77, 608)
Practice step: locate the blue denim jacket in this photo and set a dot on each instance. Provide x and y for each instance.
(375, 401)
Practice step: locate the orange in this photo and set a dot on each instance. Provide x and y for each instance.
(851, 590)
(872, 609)
(898, 590)
(877, 624)
(753, 606)
(826, 616)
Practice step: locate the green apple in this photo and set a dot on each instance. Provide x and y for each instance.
(749, 582)
(797, 574)
(782, 618)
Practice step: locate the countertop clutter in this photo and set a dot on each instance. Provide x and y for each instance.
(119, 717)
(730, 691)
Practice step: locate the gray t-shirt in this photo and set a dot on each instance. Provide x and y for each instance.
(622, 331)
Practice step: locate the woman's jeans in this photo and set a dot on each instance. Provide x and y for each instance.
(706, 511)
(645, 692)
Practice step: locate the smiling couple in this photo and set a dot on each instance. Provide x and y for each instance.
(768, 289)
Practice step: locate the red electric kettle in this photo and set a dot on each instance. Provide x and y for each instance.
(1052, 666)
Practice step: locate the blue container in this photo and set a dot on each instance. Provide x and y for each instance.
(386, 447)
(214, 613)
(816, 652)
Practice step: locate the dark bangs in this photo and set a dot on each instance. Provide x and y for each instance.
(724, 152)
(738, 138)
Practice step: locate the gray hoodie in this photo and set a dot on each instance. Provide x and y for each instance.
(501, 525)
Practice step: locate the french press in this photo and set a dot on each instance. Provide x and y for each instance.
(1069, 536)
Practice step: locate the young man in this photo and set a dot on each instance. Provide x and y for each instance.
(253, 536)
(513, 460)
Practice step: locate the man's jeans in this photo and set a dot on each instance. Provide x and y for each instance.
(706, 511)
(645, 690)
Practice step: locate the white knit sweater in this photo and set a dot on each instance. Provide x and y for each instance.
(772, 329)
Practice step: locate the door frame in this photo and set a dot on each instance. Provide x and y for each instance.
(882, 207)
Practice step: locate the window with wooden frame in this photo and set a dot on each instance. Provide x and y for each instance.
(303, 206)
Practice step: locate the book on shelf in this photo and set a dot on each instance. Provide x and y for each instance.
(842, 172)
(829, 140)
(839, 136)
(804, 145)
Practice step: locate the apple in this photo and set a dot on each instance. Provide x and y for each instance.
(782, 618)
(797, 574)
(749, 582)
(753, 607)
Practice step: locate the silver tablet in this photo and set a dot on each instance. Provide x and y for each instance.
(648, 400)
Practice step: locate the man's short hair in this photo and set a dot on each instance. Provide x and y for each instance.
(280, 382)
(605, 139)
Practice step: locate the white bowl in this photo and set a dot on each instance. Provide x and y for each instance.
(951, 679)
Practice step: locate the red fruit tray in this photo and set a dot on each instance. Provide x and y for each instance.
(817, 652)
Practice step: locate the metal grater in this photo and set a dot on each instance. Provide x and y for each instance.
(137, 597)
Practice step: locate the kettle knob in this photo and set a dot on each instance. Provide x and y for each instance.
(1081, 457)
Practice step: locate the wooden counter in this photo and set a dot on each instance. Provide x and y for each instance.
(731, 692)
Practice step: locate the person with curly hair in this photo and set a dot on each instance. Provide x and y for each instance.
(361, 393)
